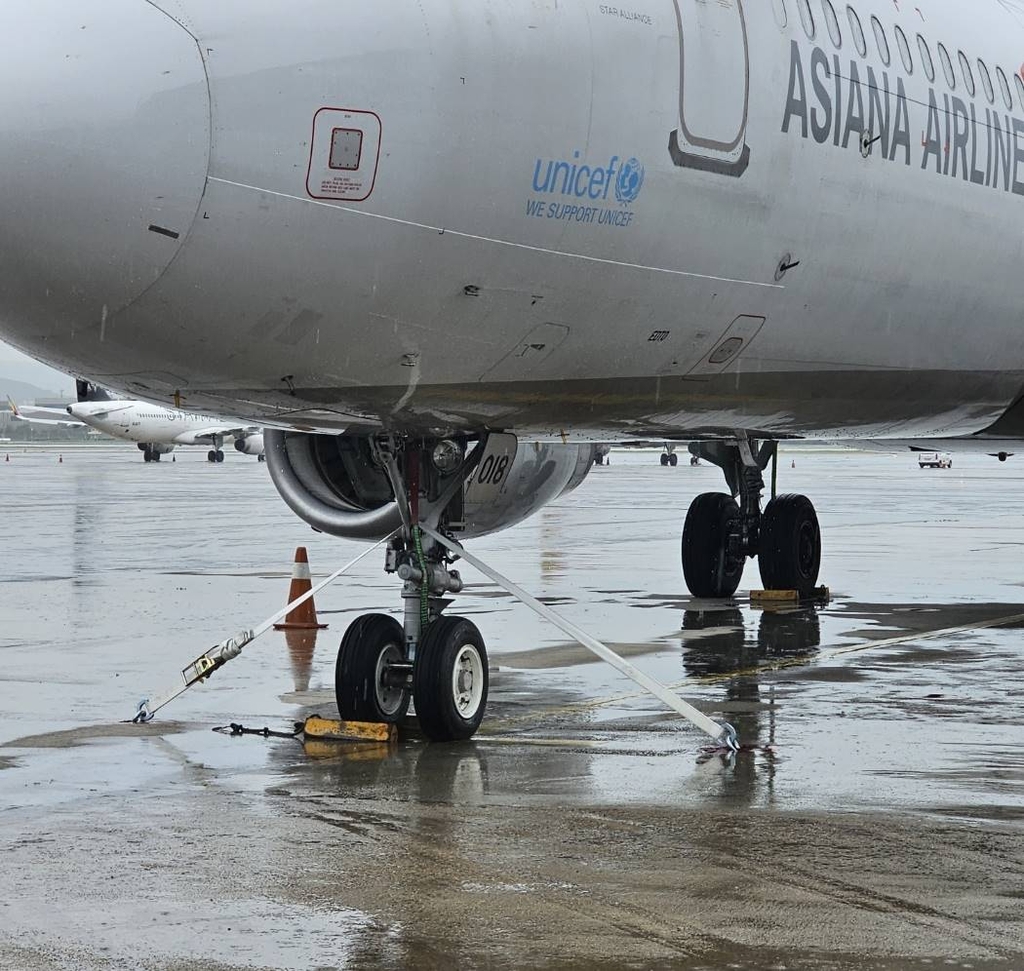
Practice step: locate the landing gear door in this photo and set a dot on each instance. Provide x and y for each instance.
(491, 473)
(714, 86)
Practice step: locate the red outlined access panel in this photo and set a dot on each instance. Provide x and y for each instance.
(343, 154)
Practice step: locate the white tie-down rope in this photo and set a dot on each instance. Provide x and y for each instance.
(218, 655)
(723, 733)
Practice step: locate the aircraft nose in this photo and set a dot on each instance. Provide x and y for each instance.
(104, 148)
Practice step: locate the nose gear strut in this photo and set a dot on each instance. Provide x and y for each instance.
(438, 662)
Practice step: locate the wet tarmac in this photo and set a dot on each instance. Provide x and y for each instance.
(876, 820)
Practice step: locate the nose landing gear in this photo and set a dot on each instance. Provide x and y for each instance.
(438, 662)
(719, 533)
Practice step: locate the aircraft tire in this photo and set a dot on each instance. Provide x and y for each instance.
(156, 455)
(708, 569)
(369, 644)
(673, 460)
(147, 455)
(220, 455)
(211, 456)
(450, 680)
(790, 546)
(664, 458)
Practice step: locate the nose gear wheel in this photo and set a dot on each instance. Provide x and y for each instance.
(371, 652)
(450, 679)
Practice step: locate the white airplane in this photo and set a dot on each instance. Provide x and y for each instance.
(159, 430)
(42, 416)
(479, 237)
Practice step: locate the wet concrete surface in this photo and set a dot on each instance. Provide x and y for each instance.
(876, 820)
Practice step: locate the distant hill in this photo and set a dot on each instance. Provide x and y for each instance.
(19, 368)
(24, 393)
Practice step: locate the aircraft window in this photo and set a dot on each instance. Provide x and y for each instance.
(947, 67)
(1004, 87)
(1020, 88)
(806, 18)
(858, 32)
(779, 6)
(832, 22)
(986, 82)
(965, 69)
(926, 58)
(901, 43)
(880, 40)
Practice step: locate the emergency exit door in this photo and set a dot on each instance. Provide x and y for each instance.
(714, 87)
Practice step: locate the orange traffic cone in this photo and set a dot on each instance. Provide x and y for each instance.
(302, 617)
(60, 459)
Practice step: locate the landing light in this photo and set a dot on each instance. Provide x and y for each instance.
(447, 456)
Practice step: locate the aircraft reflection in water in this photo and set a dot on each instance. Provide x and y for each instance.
(716, 643)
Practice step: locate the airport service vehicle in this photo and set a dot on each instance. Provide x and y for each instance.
(158, 430)
(444, 248)
(934, 460)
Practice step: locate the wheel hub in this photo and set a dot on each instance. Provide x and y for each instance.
(389, 694)
(467, 681)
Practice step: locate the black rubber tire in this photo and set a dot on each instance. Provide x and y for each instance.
(790, 546)
(211, 456)
(439, 717)
(147, 456)
(156, 455)
(673, 460)
(355, 672)
(220, 455)
(707, 569)
(664, 458)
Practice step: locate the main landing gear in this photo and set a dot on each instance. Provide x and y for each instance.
(669, 457)
(215, 455)
(439, 662)
(149, 454)
(720, 533)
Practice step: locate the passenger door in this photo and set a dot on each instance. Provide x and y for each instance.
(714, 85)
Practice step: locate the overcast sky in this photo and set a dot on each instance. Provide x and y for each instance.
(19, 367)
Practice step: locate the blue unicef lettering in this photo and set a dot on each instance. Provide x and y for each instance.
(586, 185)
(629, 181)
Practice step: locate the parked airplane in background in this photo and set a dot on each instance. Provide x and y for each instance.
(480, 237)
(159, 430)
(43, 416)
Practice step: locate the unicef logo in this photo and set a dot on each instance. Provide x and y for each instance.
(629, 181)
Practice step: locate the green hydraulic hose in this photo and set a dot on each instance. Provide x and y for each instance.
(417, 539)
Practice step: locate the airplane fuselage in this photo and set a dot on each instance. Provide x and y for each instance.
(568, 220)
(140, 421)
